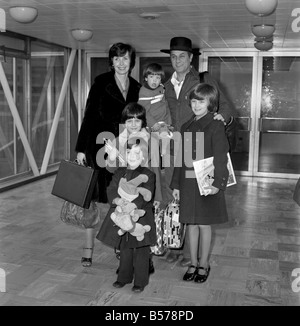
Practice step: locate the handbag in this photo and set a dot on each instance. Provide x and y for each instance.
(75, 183)
(296, 195)
(159, 248)
(174, 231)
(83, 218)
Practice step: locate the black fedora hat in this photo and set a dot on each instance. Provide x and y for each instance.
(181, 43)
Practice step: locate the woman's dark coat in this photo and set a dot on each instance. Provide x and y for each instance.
(108, 231)
(194, 208)
(104, 106)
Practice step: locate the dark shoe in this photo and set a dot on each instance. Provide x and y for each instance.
(171, 257)
(189, 276)
(118, 284)
(137, 289)
(87, 261)
(202, 278)
(185, 262)
(151, 267)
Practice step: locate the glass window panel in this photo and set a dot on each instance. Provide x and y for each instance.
(234, 75)
(279, 146)
(98, 66)
(281, 87)
(7, 138)
(36, 94)
(47, 76)
(22, 164)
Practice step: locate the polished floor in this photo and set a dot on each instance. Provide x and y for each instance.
(252, 259)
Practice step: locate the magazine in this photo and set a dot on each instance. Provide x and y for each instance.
(204, 170)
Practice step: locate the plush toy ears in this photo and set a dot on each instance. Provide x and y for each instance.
(147, 194)
(142, 178)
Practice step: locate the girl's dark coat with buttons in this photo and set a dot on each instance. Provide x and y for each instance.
(108, 231)
(194, 208)
(103, 111)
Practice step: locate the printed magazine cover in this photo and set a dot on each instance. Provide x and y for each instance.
(204, 170)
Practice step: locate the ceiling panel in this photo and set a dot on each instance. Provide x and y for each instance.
(209, 23)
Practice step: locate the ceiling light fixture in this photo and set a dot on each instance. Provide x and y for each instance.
(82, 35)
(260, 39)
(149, 15)
(261, 7)
(263, 30)
(263, 45)
(23, 15)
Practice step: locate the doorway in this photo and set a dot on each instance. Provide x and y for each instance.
(264, 91)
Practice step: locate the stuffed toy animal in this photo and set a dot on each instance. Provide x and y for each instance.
(124, 205)
(123, 220)
(130, 190)
(139, 231)
(126, 222)
(126, 213)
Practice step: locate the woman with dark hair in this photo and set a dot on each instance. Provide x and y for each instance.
(107, 98)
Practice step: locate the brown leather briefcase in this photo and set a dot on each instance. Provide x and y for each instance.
(75, 183)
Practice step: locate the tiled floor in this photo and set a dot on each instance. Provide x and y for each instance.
(252, 258)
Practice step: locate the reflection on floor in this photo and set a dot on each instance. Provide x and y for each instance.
(274, 163)
(252, 258)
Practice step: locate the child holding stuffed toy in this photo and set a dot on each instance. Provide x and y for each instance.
(134, 120)
(129, 224)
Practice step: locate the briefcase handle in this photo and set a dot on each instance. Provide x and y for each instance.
(85, 164)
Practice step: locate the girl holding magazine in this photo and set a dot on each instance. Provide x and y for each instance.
(198, 211)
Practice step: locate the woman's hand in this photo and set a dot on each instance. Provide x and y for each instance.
(81, 158)
(176, 194)
(156, 204)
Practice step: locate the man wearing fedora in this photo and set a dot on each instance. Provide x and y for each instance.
(177, 88)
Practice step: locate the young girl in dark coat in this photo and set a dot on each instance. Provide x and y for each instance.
(134, 254)
(200, 212)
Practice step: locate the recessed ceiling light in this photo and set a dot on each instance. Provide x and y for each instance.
(149, 15)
